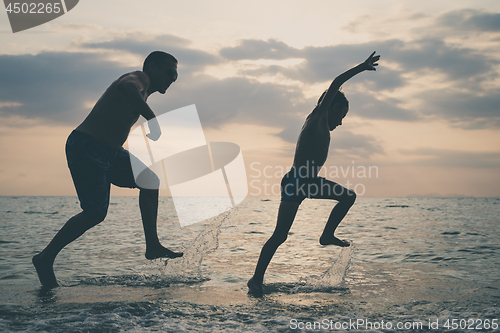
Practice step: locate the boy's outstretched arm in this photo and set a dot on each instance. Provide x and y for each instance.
(368, 65)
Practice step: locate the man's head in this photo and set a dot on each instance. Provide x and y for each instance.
(337, 110)
(161, 68)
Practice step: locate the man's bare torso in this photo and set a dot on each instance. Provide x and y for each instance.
(112, 117)
(313, 143)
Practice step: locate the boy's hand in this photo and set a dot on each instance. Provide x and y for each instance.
(371, 62)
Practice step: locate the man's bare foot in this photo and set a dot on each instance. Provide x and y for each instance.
(45, 271)
(332, 240)
(161, 252)
(254, 288)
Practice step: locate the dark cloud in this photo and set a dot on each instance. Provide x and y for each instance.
(367, 106)
(348, 144)
(463, 106)
(58, 86)
(464, 68)
(458, 63)
(426, 156)
(236, 100)
(470, 19)
(325, 63)
(54, 86)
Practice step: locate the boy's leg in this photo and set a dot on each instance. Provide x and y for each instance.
(345, 198)
(286, 215)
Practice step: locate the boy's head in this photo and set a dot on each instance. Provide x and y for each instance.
(337, 110)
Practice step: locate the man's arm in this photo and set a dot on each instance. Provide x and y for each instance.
(368, 65)
(133, 87)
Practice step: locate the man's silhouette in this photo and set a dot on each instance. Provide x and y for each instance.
(97, 159)
(302, 180)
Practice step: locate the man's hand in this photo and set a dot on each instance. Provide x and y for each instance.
(154, 129)
(371, 62)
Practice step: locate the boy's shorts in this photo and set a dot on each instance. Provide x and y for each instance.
(296, 187)
(94, 167)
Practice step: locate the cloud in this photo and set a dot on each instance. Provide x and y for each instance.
(326, 62)
(471, 19)
(54, 86)
(427, 156)
(62, 86)
(469, 110)
(346, 143)
(259, 49)
(457, 63)
(190, 60)
(462, 67)
(369, 107)
(237, 100)
(59, 86)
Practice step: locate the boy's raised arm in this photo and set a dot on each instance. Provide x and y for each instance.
(368, 65)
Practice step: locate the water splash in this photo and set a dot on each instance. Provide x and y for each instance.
(189, 266)
(332, 277)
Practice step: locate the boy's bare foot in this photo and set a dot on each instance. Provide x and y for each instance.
(45, 271)
(332, 240)
(254, 288)
(161, 252)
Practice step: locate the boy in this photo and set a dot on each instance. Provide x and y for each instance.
(302, 180)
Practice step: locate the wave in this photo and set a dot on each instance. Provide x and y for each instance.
(36, 212)
(152, 281)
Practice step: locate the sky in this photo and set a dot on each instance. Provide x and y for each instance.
(426, 123)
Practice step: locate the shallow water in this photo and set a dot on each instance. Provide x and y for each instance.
(412, 260)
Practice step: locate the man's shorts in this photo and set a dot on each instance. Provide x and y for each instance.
(295, 187)
(94, 167)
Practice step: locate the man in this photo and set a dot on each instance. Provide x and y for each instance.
(97, 159)
(302, 180)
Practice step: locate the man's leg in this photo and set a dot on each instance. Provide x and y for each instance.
(148, 204)
(87, 164)
(286, 215)
(121, 174)
(44, 261)
(345, 198)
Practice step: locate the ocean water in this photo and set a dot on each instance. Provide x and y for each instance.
(415, 264)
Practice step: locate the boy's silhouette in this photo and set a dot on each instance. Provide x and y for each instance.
(302, 180)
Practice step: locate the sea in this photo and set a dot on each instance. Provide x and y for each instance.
(414, 264)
